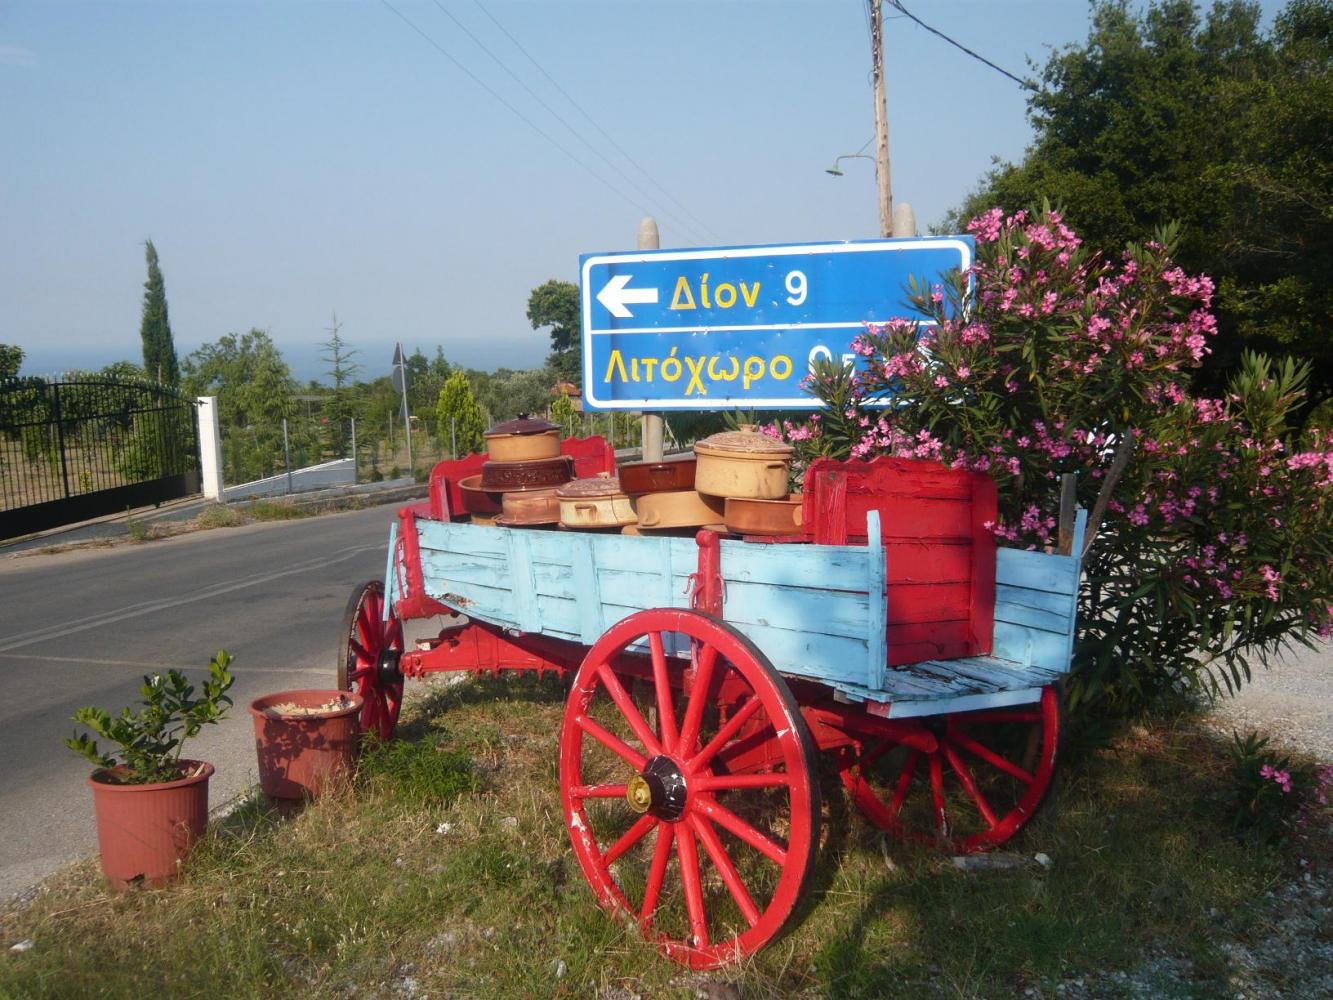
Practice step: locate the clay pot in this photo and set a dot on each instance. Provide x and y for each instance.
(529, 507)
(522, 440)
(597, 502)
(540, 474)
(476, 500)
(746, 516)
(144, 832)
(302, 755)
(742, 464)
(657, 477)
(677, 509)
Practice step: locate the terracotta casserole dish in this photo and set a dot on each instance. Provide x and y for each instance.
(594, 503)
(538, 474)
(742, 463)
(675, 473)
(523, 440)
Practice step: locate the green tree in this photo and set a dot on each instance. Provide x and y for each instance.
(564, 413)
(255, 391)
(1166, 115)
(556, 304)
(11, 360)
(159, 350)
(340, 407)
(458, 417)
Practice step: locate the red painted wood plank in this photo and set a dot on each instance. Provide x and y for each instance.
(945, 602)
(929, 562)
(983, 565)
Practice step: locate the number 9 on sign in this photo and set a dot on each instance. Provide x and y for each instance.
(796, 287)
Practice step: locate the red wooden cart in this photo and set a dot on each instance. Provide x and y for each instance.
(709, 673)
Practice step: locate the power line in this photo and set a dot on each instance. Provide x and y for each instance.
(557, 116)
(592, 121)
(518, 114)
(1025, 84)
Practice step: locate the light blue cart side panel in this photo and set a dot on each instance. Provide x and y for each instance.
(808, 607)
(390, 577)
(571, 585)
(877, 637)
(1036, 604)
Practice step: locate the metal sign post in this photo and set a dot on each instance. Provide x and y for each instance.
(740, 326)
(400, 383)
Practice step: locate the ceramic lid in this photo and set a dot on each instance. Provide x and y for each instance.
(601, 485)
(525, 424)
(747, 441)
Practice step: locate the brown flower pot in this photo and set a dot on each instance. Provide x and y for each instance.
(144, 832)
(301, 756)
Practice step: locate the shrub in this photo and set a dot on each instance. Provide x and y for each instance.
(1271, 794)
(1217, 544)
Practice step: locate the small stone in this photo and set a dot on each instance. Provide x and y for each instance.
(560, 969)
(1043, 859)
(444, 828)
(398, 862)
(509, 823)
(24, 945)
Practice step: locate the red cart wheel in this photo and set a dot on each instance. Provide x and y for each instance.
(692, 801)
(988, 777)
(368, 650)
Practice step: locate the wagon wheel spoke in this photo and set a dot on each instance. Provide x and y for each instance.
(722, 862)
(628, 709)
(969, 784)
(666, 710)
(694, 711)
(724, 734)
(361, 652)
(937, 797)
(657, 872)
(631, 837)
(724, 817)
(612, 742)
(598, 791)
(688, 855)
(904, 782)
(735, 782)
(990, 757)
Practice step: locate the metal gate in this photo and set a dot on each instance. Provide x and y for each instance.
(79, 449)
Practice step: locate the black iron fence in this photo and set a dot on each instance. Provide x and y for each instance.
(72, 450)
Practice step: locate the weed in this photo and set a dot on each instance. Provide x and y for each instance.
(219, 515)
(268, 510)
(140, 531)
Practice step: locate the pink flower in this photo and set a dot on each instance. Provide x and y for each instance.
(941, 382)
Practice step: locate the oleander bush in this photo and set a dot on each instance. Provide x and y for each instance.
(1216, 548)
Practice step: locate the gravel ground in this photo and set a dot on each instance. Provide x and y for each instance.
(1292, 702)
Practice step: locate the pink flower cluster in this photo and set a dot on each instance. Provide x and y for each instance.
(1282, 778)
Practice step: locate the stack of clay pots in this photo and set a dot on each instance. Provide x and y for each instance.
(517, 485)
(664, 498)
(748, 471)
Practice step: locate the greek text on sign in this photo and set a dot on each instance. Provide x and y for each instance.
(739, 326)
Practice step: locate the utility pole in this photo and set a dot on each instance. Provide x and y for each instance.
(651, 438)
(881, 121)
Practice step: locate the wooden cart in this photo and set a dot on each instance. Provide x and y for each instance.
(709, 673)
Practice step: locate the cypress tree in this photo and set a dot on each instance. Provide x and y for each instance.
(159, 350)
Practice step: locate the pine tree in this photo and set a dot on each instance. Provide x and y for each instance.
(339, 410)
(159, 350)
(458, 417)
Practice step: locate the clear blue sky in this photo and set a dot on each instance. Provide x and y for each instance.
(293, 159)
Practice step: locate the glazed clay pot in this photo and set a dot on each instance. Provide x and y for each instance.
(670, 474)
(476, 500)
(677, 509)
(746, 516)
(529, 507)
(303, 755)
(522, 440)
(742, 463)
(539, 474)
(144, 832)
(594, 503)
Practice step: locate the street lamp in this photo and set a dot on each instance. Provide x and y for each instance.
(836, 171)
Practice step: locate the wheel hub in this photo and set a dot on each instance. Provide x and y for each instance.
(387, 667)
(659, 790)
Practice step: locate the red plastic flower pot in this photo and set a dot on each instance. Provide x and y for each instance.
(146, 831)
(303, 753)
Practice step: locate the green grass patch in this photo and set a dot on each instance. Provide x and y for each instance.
(269, 510)
(219, 515)
(446, 870)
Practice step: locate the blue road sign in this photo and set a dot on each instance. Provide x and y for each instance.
(739, 326)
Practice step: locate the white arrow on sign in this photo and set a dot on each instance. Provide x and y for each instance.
(615, 296)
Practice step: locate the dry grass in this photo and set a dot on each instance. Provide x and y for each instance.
(447, 872)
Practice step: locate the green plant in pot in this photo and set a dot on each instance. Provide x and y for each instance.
(151, 803)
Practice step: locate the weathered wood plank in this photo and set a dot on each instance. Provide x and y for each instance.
(1031, 646)
(1036, 571)
(877, 639)
(945, 602)
(802, 609)
(1018, 614)
(1041, 600)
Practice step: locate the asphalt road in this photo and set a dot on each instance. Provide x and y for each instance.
(82, 627)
